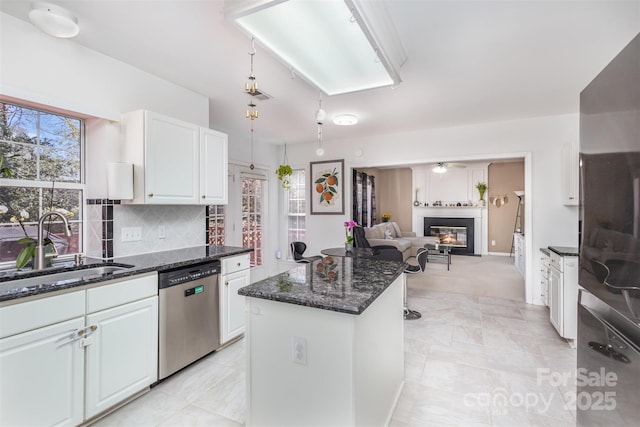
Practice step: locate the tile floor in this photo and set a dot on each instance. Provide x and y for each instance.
(470, 361)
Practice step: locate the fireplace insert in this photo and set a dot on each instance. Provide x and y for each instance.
(457, 232)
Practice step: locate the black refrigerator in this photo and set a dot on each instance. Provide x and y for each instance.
(608, 346)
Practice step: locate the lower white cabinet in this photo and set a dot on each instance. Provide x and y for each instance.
(519, 253)
(544, 278)
(65, 359)
(121, 359)
(235, 275)
(563, 295)
(41, 376)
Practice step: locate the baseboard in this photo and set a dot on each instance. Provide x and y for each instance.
(499, 253)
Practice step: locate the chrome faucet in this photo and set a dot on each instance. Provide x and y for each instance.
(39, 261)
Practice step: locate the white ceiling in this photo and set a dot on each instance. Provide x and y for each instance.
(468, 61)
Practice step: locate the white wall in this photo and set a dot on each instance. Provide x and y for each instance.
(538, 140)
(63, 74)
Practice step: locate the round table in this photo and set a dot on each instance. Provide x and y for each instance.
(355, 252)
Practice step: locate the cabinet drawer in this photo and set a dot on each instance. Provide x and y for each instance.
(557, 261)
(18, 318)
(235, 263)
(122, 292)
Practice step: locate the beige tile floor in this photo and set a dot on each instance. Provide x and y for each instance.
(471, 360)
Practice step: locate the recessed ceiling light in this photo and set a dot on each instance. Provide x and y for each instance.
(54, 20)
(345, 119)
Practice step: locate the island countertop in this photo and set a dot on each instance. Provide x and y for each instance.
(342, 284)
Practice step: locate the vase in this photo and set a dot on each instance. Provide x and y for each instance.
(348, 247)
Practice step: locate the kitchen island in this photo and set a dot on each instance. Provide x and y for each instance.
(325, 344)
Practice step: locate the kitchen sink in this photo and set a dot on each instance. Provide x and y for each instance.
(56, 277)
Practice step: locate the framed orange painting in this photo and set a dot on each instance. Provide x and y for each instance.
(327, 187)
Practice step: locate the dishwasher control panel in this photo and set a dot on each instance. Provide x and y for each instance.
(187, 273)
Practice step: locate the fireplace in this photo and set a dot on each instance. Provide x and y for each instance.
(457, 232)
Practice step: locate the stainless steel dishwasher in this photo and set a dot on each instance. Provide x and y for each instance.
(188, 314)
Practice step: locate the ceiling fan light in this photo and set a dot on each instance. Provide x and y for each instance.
(54, 20)
(345, 119)
(439, 169)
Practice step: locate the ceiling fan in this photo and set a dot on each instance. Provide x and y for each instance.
(441, 167)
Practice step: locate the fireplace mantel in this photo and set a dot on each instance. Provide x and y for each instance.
(478, 213)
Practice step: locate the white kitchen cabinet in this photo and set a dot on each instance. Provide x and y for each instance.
(519, 253)
(570, 174)
(66, 358)
(175, 162)
(544, 277)
(122, 352)
(563, 295)
(213, 167)
(42, 368)
(235, 275)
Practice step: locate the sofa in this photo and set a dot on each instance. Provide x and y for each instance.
(389, 233)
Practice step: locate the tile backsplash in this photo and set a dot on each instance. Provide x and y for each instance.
(162, 228)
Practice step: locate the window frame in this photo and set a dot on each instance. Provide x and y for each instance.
(302, 183)
(45, 186)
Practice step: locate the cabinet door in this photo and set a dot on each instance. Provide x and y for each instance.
(42, 376)
(570, 172)
(171, 160)
(121, 354)
(555, 301)
(213, 167)
(232, 305)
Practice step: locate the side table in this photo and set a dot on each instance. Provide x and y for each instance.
(438, 251)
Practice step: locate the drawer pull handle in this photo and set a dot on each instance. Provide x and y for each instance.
(238, 264)
(80, 332)
(226, 283)
(204, 197)
(94, 327)
(150, 194)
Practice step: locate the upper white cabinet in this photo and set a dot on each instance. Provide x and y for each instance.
(175, 162)
(213, 167)
(570, 173)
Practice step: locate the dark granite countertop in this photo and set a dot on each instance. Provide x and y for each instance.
(564, 250)
(545, 251)
(11, 287)
(342, 284)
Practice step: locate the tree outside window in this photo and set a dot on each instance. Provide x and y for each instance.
(43, 153)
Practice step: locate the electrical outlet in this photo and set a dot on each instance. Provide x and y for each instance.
(137, 233)
(493, 243)
(161, 232)
(299, 350)
(127, 234)
(131, 234)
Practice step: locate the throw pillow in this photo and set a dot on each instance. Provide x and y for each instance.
(396, 229)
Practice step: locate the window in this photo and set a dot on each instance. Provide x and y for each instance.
(216, 224)
(296, 207)
(43, 153)
(252, 216)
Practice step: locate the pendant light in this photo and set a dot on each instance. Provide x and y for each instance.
(320, 116)
(251, 89)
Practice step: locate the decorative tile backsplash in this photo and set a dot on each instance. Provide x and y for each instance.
(161, 228)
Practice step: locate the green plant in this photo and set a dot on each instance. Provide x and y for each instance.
(284, 173)
(4, 170)
(482, 188)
